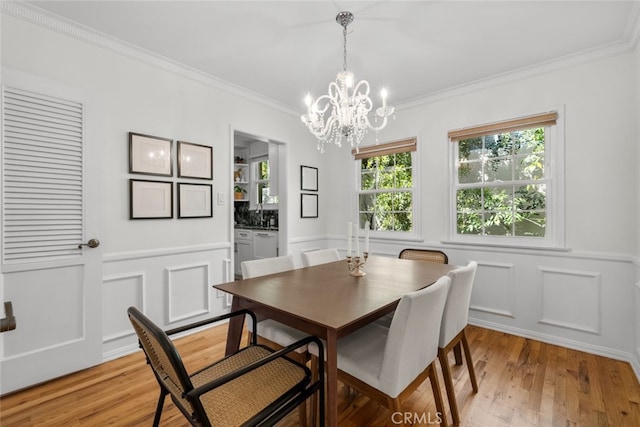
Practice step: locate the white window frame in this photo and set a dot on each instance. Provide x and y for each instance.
(416, 232)
(554, 176)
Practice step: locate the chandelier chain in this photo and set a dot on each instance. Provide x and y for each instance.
(344, 35)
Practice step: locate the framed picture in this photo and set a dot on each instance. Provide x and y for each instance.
(194, 161)
(150, 199)
(150, 155)
(194, 200)
(308, 178)
(308, 205)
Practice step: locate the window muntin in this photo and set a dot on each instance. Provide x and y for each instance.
(386, 192)
(501, 184)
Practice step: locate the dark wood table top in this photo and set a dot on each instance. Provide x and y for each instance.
(327, 296)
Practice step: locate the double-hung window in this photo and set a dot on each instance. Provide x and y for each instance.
(507, 183)
(386, 190)
(261, 174)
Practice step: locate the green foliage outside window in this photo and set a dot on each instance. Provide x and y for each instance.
(501, 184)
(386, 192)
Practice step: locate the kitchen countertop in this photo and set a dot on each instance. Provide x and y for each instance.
(254, 227)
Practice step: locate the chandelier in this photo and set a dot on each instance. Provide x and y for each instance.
(350, 106)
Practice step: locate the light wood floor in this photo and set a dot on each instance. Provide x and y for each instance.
(522, 383)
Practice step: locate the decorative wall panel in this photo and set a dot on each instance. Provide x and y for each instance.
(119, 293)
(570, 299)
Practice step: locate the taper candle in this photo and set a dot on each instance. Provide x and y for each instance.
(366, 237)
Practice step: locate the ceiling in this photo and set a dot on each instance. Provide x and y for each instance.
(283, 49)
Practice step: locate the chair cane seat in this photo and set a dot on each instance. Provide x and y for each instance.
(231, 403)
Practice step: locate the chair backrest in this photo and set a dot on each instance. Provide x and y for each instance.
(164, 360)
(321, 256)
(456, 310)
(428, 255)
(264, 266)
(412, 343)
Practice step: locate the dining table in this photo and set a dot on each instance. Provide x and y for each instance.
(327, 301)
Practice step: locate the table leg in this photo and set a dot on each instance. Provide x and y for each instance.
(234, 333)
(332, 379)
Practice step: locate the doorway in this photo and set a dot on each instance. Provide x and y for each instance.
(259, 220)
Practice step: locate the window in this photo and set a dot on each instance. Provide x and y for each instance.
(261, 181)
(386, 191)
(503, 183)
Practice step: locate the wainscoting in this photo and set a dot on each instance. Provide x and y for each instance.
(172, 286)
(588, 302)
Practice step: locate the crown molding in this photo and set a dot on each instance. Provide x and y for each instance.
(81, 32)
(62, 25)
(627, 44)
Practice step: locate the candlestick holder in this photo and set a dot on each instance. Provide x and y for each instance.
(355, 265)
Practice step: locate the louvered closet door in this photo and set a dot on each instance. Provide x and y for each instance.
(47, 212)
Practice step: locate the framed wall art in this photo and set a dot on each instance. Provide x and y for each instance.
(194, 200)
(150, 199)
(308, 178)
(195, 161)
(308, 205)
(150, 155)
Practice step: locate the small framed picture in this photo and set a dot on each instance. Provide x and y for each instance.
(150, 155)
(195, 161)
(308, 205)
(308, 178)
(150, 199)
(194, 200)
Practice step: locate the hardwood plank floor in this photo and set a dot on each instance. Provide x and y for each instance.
(522, 383)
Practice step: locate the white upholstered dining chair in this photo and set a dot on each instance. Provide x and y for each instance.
(388, 364)
(270, 332)
(320, 256)
(452, 331)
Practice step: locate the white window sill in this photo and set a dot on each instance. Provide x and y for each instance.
(505, 245)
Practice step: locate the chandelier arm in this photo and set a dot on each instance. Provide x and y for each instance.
(365, 84)
(377, 128)
(316, 104)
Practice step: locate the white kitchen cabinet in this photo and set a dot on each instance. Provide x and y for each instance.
(243, 248)
(265, 244)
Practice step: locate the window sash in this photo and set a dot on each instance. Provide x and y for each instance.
(552, 211)
(397, 147)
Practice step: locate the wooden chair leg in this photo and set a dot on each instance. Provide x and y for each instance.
(448, 385)
(435, 385)
(394, 404)
(457, 353)
(467, 355)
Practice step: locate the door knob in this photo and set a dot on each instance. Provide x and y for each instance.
(92, 243)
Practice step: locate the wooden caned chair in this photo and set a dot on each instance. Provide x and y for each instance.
(256, 386)
(428, 255)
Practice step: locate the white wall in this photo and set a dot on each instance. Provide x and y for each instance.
(582, 298)
(150, 262)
